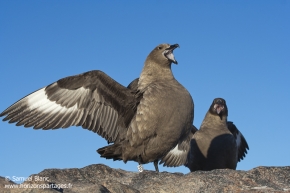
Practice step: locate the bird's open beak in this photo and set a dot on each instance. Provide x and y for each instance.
(218, 108)
(168, 53)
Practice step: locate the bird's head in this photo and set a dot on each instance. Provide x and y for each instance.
(163, 54)
(219, 107)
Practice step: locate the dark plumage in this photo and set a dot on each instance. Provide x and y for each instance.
(241, 141)
(218, 144)
(143, 124)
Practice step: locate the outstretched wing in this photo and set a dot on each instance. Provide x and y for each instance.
(92, 100)
(178, 155)
(242, 144)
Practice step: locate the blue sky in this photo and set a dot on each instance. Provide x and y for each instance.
(239, 51)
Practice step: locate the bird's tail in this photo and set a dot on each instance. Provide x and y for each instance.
(111, 152)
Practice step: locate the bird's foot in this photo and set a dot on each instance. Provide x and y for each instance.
(140, 168)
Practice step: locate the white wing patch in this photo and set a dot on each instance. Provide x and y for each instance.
(38, 100)
(176, 152)
(174, 157)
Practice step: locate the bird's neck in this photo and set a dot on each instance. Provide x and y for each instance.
(214, 121)
(153, 72)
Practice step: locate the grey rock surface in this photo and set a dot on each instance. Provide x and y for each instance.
(103, 179)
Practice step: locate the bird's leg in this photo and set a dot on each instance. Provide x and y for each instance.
(156, 165)
(140, 167)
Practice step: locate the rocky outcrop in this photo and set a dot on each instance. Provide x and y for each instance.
(103, 179)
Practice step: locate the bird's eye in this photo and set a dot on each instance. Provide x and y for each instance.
(159, 48)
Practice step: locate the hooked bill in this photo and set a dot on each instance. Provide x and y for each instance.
(168, 53)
